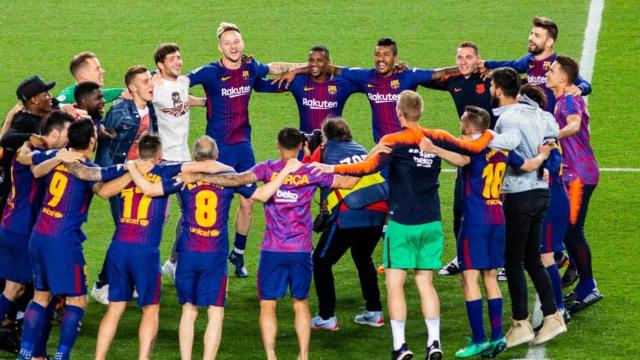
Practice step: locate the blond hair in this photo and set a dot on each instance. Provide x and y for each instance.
(224, 27)
(410, 105)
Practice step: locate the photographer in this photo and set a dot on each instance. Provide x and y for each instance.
(356, 220)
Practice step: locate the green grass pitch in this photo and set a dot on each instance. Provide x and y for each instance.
(40, 37)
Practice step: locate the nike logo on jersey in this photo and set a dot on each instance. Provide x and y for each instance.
(225, 78)
(308, 88)
(457, 90)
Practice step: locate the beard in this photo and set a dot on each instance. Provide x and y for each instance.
(537, 50)
(495, 102)
(95, 114)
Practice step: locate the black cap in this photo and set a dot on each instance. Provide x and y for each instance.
(33, 86)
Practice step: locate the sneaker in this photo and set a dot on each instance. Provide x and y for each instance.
(100, 295)
(495, 347)
(451, 268)
(169, 269)
(238, 261)
(570, 276)
(402, 354)
(472, 349)
(553, 326)
(371, 318)
(565, 316)
(502, 275)
(331, 324)
(434, 352)
(580, 305)
(562, 261)
(521, 332)
(135, 293)
(570, 298)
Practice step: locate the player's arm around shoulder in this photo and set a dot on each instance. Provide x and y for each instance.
(453, 158)
(137, 169)
(265, 192)
(206, 166)
(42, 168)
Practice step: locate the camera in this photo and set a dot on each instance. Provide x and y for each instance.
(314, 139)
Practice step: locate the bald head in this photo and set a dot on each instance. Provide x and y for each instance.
(205, 148)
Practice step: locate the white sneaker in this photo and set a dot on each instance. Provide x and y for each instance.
(371, 318)
(135, 293)
(100, 295)
(331, 324)
(169, 269)
(452, 268)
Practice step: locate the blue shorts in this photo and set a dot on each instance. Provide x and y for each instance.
(278, 271)
(481, 247)
(58, 266)
(15, 264)
(239, 156)
(133, 265)
(201, 278)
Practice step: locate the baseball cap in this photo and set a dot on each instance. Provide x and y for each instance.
(33, 86)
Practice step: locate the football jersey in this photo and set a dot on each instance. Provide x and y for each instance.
(141, 216)
(171, 101)
(316, 101)
(383, 93)
(25, 196)
(578, 159)
(482, 183)
(288, 212)
(413, 174)
(67, 200)
(228, 92)
(205, 216)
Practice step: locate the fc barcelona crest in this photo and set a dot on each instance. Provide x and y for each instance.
(333, 89)
(480, 88)
(245, 75)
(395, 84)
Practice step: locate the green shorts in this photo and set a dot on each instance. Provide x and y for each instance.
(413, 246)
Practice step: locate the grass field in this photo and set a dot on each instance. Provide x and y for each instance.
(41, 37)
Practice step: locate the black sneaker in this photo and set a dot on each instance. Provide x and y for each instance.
(562, 261)
(570, 298)
(9, 339)
(434, 352)
(402, 354)
(452, 268)
(580, 305)
(570, 276)
(238, 261)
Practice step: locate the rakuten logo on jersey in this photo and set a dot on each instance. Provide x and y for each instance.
(235, 91)
(319, 105)
(383, 98)
(284, 196)
(536, 80)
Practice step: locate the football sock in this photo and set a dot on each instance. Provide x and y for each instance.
(31, 328)
(5, 305)
(556, 283)
(69, 331)
(474, 313)
(40, 345)
(240, 243)
(495, 317)
(397, 330)
(433, 330)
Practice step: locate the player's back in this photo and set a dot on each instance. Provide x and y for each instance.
(141, 217)
(481, 186)
(205, 209)
(24, 200)
(65, 205)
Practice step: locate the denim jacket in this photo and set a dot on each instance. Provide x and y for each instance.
(123, 117)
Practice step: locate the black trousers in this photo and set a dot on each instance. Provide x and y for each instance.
(524, 213)
(333, 243)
